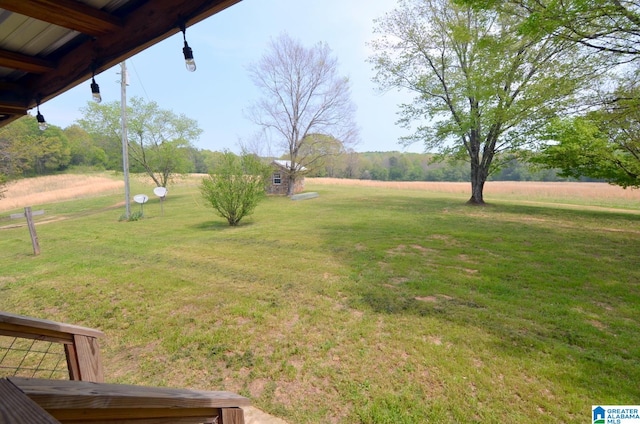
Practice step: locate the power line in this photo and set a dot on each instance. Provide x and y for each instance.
(135, 70)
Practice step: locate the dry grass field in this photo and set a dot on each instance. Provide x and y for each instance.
(595, 194)
(56, 188)
(538, 189)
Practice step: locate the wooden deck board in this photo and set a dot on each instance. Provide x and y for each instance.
(18, 408)
(71, 401)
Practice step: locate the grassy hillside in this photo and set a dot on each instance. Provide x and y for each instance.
(364, 305)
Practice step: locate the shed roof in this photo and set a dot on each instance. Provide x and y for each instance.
(287, 164)
(49, 46)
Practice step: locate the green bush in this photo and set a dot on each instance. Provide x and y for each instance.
(235, 186)
(135, 216)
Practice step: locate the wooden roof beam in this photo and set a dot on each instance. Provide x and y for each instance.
(66, 13)
(12, 87)
(12, 109)
(26, 63)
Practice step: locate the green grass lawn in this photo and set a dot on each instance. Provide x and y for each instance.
(364, 305)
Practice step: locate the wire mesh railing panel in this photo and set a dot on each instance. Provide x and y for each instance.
(30, 358)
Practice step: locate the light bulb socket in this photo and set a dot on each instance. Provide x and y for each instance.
(186, 50)
(95, 91)
(42, 124)
(188, 53)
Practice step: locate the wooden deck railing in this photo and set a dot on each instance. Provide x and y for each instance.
(79, 344)
(89, 399)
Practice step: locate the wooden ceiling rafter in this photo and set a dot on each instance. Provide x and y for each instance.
(25, 63)
(8, 108)
(66, 13)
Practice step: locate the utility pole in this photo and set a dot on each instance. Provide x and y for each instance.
(125, 140)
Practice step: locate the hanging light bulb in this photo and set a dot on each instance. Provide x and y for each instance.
(95, 91)
(189, 62)
(42, 124)
(188, 57)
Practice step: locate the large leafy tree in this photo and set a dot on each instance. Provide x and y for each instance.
(481, 85)
(25, 150)
(611, 26)
(303, 95)
(84, 151)
(102, 121)
(319, 151)
(159, 140)
(603, 144)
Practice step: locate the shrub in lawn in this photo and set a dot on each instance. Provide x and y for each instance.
(235, 186)
(134, 216)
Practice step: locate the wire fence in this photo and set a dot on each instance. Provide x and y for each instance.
(31, 358)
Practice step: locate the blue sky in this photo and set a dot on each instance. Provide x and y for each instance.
(220, 91)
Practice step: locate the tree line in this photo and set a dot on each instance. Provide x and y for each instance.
(403, 166)
(25, 151)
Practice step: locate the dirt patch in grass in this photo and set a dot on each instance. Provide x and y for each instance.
(597, 324)
(431, 299)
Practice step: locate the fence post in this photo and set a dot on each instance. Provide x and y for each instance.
(32, 230)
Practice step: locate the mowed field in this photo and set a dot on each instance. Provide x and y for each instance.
(372, 303)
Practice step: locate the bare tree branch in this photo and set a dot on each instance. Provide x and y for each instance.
(302, 95)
